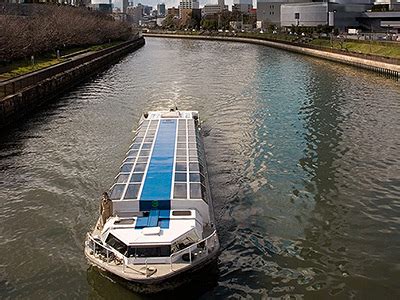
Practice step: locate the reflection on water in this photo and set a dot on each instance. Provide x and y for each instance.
(303, 160)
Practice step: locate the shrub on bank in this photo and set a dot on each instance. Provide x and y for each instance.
(31, 29)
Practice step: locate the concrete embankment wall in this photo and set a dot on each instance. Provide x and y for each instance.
(388, 69)
(23, 94)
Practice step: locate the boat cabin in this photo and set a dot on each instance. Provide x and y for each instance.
(160, 198)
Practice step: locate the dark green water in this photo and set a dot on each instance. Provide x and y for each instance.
(304, 162)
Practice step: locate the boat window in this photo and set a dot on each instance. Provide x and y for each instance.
(122, 178)
(192, 146)
(192, 139)
(182, 124)
(132, 191)
(193, 153)
(180, 191)
(135, 146)
(182, 132)
(181, 158)
(181, 152)
(116, 244)
(193, 167)
(132, 153)
(181, 139)
(180, 177)
(146, 146)
(154, 124)
(129, 159)
(180, 166)
(145, 123)
(124, 222)
(149, 140)
(194, 177)
(144, 152)
(151, 132)
(142, 159)
(195, 191)
(140, 167)
(158, 251)
(181, 213)
(117, 191)
(140, 133)
(126, 167)
(138, 139)
(181, 145)
(137, 177)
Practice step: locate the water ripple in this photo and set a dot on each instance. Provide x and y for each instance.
(302, 154)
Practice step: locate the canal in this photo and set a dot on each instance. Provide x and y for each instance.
(303, 159)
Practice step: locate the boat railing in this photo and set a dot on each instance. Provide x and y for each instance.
(195, 250)
(192, 252)
(99, 248)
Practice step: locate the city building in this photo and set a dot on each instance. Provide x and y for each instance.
(269, 11)
(187, 14)
(242, 6)
(147, 10)
(185, 9)
(119, 5)
(104, 6)
(341, 14)
(211, 9)
(135, 14)
(391, 4)
(386, 21)
(173, 11)
(189, 4)
(161, 9)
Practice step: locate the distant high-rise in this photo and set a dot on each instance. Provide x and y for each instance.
(161, 9)
(189, 4)
(243, 6)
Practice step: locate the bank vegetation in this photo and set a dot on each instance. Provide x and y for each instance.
(34, 29)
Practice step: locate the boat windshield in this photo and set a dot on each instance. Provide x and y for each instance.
(149, 251)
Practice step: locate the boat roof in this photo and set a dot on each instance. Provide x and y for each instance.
(161, 184)
(129, 234)
(162, 163)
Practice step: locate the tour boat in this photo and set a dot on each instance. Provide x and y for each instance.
(162, 221)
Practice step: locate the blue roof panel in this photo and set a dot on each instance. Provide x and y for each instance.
(158, 182)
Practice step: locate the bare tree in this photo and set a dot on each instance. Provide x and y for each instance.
(31, 29)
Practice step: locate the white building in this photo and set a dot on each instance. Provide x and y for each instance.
(339, 14)
(189, 4)
(269, 11)
(211, 9)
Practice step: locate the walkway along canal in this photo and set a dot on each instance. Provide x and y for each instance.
(19, 96)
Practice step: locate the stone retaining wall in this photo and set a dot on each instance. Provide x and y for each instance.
(25, 93)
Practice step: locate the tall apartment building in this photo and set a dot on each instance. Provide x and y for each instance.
(186, 6)
(161, 9)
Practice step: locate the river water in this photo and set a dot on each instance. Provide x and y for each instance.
(304, 164)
